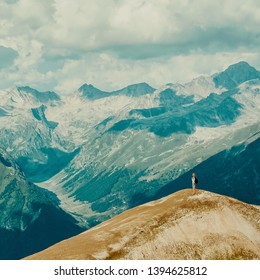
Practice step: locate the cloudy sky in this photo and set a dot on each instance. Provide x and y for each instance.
(59, 45)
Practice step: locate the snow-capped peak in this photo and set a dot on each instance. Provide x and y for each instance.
(92, 93)
(235, 75)
(28, 97)
(135, 90)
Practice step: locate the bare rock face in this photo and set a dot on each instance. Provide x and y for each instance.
(179, 226)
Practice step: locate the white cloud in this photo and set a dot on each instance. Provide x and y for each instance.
(91, 25)
(113, 43)
(144, 22)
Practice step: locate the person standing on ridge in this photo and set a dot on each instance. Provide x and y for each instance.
(194, 182)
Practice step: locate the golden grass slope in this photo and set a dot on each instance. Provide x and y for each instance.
(179, 226)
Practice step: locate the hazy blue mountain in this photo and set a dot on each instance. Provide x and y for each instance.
(31, 218)
(234, 172)
(135, 90)
(213, 111)
(235, 75)
(43, 97)
(90, 92)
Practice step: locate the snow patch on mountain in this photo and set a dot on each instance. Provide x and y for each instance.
(200, 87)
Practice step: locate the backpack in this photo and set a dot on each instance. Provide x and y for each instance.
(196, 180)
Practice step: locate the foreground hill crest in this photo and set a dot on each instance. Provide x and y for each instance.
(179, 226)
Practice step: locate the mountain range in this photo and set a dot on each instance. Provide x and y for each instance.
(94, 154)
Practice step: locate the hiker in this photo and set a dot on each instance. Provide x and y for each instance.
(194, 182)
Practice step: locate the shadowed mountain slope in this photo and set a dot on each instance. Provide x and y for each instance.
(30, 217)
